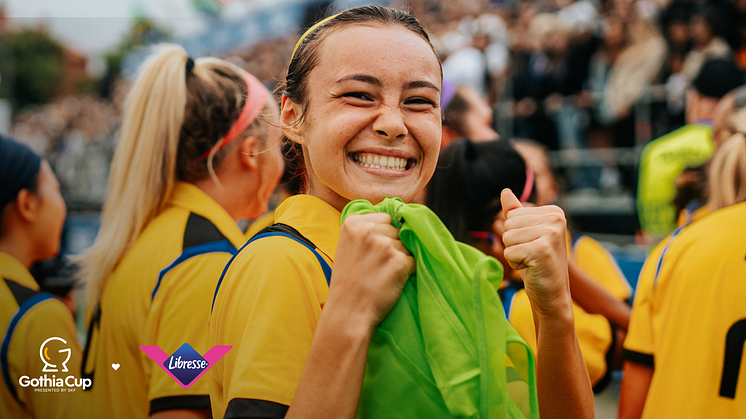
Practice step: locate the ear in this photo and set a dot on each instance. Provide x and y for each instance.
(290, 114)
(449, 136)
(27, 205)
(248, 152)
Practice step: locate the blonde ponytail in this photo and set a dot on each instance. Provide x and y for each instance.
(727, 177)
(143, 173)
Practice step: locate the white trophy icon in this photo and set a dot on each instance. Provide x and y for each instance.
(45, 357)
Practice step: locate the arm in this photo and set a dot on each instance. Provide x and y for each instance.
(635, 385)
(370, 270)
(535, 244)
(639, 349)
(596, 300)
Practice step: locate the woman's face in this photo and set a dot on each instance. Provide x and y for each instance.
(478, 119)
(373, 125)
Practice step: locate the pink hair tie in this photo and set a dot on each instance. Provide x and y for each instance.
(529, 185)
(255, 101)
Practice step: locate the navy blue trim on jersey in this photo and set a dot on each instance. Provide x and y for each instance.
(223, 246)
(255, 408)
(199, 230)
(663, 253)
(165, 404)
(508, 300)
(639, 358)
(22, 310)
(291, 234)
(20, 293)
(507, 295)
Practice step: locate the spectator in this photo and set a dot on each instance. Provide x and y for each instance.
(664, 159)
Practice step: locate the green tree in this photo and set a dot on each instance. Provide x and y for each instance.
(31, 66)
(144, 31)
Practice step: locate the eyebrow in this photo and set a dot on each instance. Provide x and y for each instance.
(363, 78)
(377, 82)
(420, 84)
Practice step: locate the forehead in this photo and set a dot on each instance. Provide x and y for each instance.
(385, 52)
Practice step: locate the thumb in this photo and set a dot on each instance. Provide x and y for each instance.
(509, 202)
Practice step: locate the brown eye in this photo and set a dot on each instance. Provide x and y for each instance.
(357, 95)
(419, 101)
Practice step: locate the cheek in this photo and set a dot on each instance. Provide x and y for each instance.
(429, 135)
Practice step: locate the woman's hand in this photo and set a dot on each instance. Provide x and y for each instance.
(371, 267)
(535, 244)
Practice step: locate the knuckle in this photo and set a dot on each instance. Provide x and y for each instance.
(557, 210)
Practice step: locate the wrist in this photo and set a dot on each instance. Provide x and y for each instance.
(559, 315)
(347, 316)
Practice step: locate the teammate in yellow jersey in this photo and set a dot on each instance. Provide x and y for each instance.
(665, 158)
(470, 213)
(39, 340)
(361, 103)
(686, 339)
(199, 150)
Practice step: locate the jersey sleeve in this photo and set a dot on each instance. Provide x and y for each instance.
(48, 319)
(267, 308)
(179, 313)
(639, 343)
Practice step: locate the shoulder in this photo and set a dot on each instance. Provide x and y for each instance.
(39, 318)
(280, 255)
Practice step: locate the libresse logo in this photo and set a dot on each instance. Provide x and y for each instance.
(56, 362)
(185, 365)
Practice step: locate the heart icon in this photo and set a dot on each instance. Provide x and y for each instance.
(115, 366)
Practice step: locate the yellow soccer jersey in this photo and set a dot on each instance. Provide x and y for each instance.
(689, 320)
(36, 324)
(661, 162)
(596, 262)
(595, 334)
(267, 307)
(160, 294)
(692, 213)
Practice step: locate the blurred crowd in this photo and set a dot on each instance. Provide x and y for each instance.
(568, 74)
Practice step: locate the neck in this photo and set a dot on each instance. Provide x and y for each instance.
(14, 245)
(224, 195)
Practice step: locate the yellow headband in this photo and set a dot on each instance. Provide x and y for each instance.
(306, 33)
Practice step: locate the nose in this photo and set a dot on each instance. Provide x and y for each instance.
(390, 123)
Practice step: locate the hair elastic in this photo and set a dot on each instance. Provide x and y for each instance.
(255, 101)
(189, 64)
(483, 235)
(308, 32)
(529, 185)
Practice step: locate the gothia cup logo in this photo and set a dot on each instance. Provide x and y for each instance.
(44, 355)
(185, 365)
(54, 384)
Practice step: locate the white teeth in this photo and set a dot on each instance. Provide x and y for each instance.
(380, 162)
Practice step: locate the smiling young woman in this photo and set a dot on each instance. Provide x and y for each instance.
(361, 108)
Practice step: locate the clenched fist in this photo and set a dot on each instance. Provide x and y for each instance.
(535, 245)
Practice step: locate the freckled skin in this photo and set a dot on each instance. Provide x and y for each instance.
(349, 114)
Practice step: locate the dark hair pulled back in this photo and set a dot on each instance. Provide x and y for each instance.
(465, 189)
(306, 58)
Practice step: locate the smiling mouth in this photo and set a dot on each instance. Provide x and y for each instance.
(377, 161)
